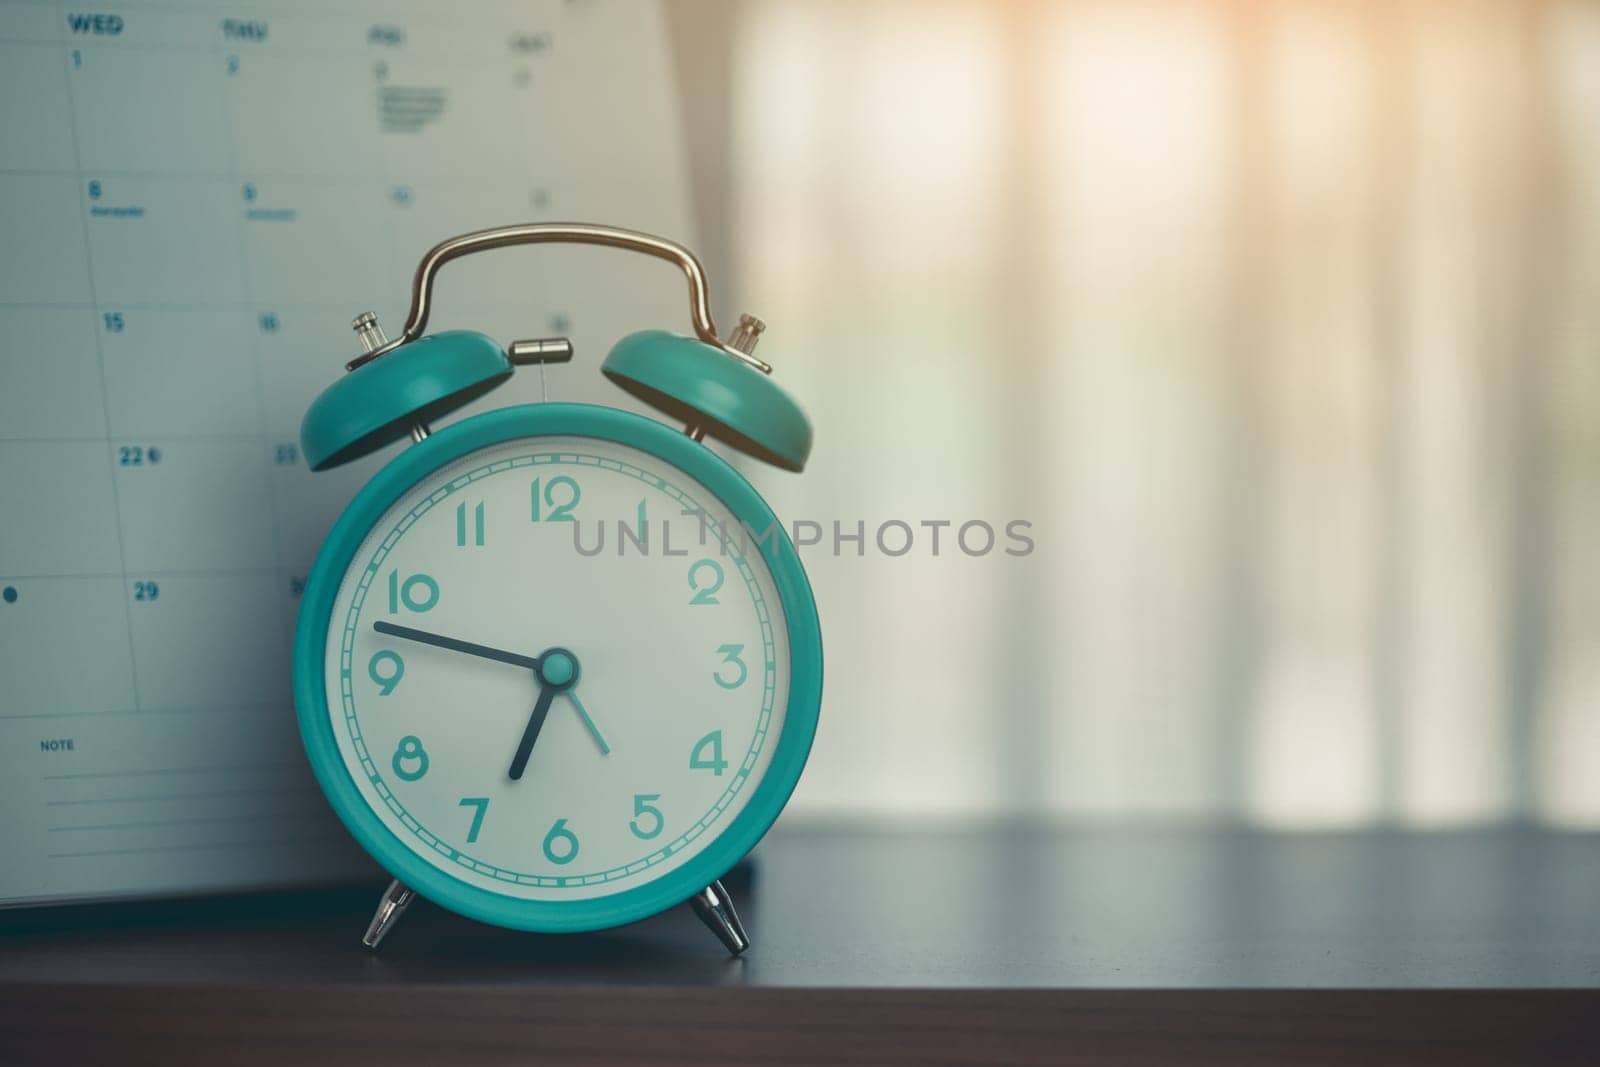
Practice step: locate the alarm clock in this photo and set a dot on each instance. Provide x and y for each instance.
(522, 727)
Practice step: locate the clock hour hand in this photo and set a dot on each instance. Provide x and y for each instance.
(557, 672)
(530, 734)
(455, 644)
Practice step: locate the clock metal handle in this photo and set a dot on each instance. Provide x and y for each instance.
(467, 244)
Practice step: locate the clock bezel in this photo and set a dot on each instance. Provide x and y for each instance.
(414, 464)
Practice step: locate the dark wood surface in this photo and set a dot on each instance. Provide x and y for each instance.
(1009, 944)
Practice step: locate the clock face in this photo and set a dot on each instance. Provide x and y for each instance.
(557, 668)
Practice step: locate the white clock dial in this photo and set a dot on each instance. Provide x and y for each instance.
(664, 668)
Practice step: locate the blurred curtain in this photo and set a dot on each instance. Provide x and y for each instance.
(1281, 323)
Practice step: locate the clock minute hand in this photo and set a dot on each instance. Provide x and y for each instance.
(455, 644)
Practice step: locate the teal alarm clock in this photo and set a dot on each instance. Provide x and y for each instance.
(557, 666)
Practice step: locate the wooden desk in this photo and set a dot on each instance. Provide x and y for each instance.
(1022, 944)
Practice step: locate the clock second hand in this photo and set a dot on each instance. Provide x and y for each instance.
(594, 731)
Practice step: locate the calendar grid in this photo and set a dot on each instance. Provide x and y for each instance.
(255, 350)
(196, 199)
(100, 358)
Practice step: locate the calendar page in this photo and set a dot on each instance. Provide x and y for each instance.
(195, 201)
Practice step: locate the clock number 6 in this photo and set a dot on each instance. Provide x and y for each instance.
(560, 833)
(642, 806)
(730, 654)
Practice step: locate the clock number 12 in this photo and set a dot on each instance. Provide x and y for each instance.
(559, 512)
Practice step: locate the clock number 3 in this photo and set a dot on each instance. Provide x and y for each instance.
(730, 656)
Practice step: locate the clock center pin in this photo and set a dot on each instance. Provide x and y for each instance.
(558, 669)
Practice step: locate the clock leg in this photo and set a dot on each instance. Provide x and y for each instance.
(716, 910)
(396, 899)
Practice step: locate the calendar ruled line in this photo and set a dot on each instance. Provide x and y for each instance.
(216, 305)
(464, 60)
(200, 820)
(341, 306)
(198, 846)
(199, 709)
(308, 788)
(217, 769)
(288, 177)
(155, 438)
(226, 572)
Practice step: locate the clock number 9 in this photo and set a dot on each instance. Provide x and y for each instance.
(386, 681)
(558, 512)
(566, 838)
(642, 806)
(705, 594)
(406, 593)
